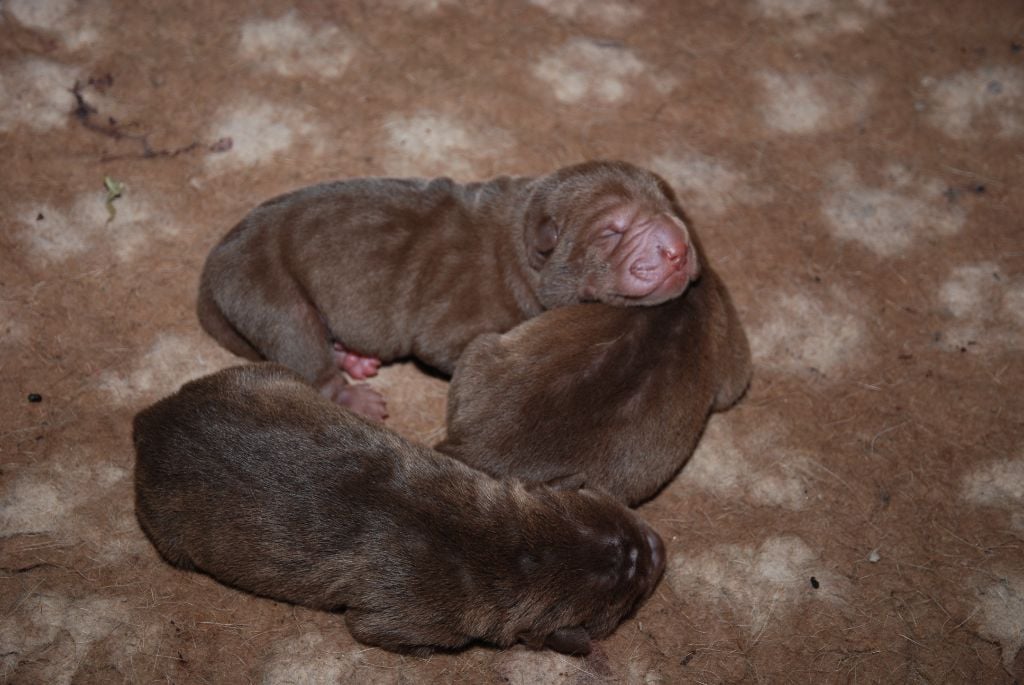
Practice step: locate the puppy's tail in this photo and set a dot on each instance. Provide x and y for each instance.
(213, 321)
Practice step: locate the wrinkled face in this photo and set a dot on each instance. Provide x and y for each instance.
(636, 255)
(596, 567)
(610, 232)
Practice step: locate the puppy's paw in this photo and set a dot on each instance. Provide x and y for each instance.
(573, 641)
(362, 399)
(358, 366)
(365, 401)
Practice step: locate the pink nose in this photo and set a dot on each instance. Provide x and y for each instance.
(673, 253)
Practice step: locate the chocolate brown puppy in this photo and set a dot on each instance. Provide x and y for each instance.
(616, 397)
(252, 477)
(342, 275)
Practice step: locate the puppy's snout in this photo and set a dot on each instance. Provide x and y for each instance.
(631, 559)
(657, 552)
(655, 560)
(674, 254)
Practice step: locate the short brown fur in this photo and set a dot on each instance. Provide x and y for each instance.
(386, 268)
(252, 477)
(616, 397)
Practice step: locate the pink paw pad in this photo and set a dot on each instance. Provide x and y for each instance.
(357, 366)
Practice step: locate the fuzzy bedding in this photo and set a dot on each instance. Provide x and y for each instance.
(853, 168)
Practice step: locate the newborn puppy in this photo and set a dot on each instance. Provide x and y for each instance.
(343, 275)
(252, 477)
(616, 397)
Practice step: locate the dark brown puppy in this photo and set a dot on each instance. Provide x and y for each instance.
(343, 275)
(617, 397)
(252, 477)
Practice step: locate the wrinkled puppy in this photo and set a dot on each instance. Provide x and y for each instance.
(616, 397)
(252, 477)
(342, 275)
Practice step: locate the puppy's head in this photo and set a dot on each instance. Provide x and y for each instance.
(588, 563)
(608, 232)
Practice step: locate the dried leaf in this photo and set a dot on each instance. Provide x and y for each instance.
(115, 189)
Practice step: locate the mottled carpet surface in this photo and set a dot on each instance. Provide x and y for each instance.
(854, 169)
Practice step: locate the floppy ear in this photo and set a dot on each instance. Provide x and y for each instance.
(573, 641)
(541, 241)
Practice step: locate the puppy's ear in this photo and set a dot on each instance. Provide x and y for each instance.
(573, 641)
(541, 240)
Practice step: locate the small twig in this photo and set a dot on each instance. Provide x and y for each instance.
(85, 112)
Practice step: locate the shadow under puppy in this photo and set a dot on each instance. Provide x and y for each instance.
(342, 275)
(253, 478)
(616, 397)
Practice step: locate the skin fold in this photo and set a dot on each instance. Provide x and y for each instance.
(334, 279)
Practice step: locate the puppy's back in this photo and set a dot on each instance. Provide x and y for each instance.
(618, 396)
(251, 477)
(230, 452)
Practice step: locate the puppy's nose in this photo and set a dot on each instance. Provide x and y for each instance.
(673, 254)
